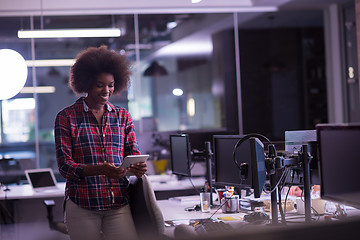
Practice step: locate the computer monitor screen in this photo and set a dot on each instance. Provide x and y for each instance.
(293, 144)
(250, 153)
(339, 163)
(258, 168)
(180, 154)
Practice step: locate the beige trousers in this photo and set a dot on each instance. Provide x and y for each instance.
(116, 224)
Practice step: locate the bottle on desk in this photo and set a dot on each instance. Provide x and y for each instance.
(205, 201)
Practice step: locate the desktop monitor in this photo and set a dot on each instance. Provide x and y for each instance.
(250, 154)
(339, 163)
(180, 154)
(293, 144)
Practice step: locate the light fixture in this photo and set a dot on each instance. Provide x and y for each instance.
(39, 89)
(155, 70)
(171, 25)
(190, 104)
(13, 73)
(50, 63)
(70, 33)
(178, 92)
(195, 1)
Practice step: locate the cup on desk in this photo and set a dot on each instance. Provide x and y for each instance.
(230, 204)
(300, 206)
(220, 193)
(317, 204)
(205, 201)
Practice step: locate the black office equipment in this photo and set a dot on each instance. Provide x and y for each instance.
(293, 144)
(339, 146)
(240, 167)
(210, 227)
(247, 169)
(10, 171)
(257, 166)
(41, 179)
(180, 154)
(59, 226)
(226, 171)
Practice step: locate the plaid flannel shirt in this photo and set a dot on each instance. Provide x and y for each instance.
(80, 140)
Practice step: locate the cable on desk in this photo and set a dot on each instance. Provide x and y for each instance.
(209, 218)
(246, 137)
(197, 191)
(277, 184)
(298, 217)
(287, 194)
(282, 212)
(316, 212)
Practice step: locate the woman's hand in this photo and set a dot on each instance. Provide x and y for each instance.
(138, 169)
(111, 171)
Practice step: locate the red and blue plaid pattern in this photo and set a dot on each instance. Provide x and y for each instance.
(80, 140)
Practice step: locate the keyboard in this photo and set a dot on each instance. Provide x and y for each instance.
(209, 227)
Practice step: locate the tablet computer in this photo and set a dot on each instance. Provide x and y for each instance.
(133, 159)
(41, 179)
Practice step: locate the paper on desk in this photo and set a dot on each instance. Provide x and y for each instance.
(231, 218)
(191, 198)
(174, 223)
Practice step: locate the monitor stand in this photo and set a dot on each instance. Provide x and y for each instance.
(207, 154)
(303, 159)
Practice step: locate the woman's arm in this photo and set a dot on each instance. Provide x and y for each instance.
(104, 169)
(131, 148)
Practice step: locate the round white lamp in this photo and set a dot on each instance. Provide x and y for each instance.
(13, 73)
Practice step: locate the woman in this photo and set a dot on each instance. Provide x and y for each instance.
(92, 138)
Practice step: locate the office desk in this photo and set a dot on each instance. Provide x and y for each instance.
(173, 186)
(174, 214)
(26, 192)
(22, 201)
(173, 210)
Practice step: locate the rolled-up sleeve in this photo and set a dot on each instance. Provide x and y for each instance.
(69, 169)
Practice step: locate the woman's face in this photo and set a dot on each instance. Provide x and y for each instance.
(103, 88)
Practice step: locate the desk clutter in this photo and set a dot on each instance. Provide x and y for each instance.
(229, 207)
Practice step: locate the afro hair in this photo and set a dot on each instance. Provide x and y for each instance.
(93, 61)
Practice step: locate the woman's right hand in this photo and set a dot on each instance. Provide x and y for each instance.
(111, 171)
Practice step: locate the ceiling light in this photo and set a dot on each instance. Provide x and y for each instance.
(195, 1)
(39, 89)
(178, 92)
(171, 25)
(13, 73)
(70, 33)
(50, 63)
(190, 107)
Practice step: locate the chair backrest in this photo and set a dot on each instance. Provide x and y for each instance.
(147, 215)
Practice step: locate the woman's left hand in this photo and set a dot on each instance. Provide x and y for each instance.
(138, 169)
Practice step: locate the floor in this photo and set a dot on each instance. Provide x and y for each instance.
(30, 231)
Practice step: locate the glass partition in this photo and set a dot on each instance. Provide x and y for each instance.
(180, 72)
(185, 75)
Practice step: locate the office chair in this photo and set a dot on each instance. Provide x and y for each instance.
(148, 219)
(54, 225)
